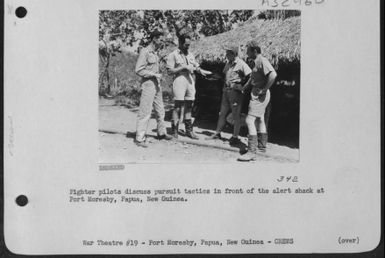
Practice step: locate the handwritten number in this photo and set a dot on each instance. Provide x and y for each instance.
(284, 3)
(265, 2)
(287, 3)
(293, 179)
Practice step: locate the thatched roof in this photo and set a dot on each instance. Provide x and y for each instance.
(280, 41)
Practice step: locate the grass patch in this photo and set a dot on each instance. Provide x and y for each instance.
(125, 84)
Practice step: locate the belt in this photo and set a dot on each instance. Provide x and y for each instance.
(232, 87)
(184, 73)
(149, 79)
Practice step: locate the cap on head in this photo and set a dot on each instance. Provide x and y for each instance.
(253, 44)
(233, 48)
(185, 35)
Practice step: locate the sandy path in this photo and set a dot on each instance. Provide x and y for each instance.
(115, 147)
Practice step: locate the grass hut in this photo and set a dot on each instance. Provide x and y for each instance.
(280, 42)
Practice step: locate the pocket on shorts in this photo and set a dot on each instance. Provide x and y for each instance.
(236, 97)
(190, 92)
(179, 89)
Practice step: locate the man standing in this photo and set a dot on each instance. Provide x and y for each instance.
(182, 64)
(251, 64)
(262, 78)
(236, 73)
(147, 67)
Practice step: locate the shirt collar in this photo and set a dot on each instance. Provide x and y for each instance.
(181, 53)
(151, 48)
(236, 60)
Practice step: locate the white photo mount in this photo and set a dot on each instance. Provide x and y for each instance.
(51, 147)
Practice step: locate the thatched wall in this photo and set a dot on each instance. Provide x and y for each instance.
(280, 41)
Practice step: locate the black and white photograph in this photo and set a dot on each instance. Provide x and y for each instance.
(180, 127)
(199, 85)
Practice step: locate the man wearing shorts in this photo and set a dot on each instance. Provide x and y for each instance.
(262, 78)
(236, 73)
(250, 62)
(182, 65)
(147, 67)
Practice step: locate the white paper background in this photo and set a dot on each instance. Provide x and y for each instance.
(51, 87)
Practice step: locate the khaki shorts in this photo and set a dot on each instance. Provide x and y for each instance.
(232, 99)
(258, 104)
(183, 88)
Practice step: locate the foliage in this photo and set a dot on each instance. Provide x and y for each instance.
(279, 39)
(278, 14)
(124, 83)
(119, 25)
(119, 29)
(122, 29)
(127, 27)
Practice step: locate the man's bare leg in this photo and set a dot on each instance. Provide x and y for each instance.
(252, 140)
(262, 134)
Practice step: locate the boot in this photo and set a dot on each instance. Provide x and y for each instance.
(262, 141)
(174, 129)
(215, 136)
(251, 153)
(165, 137)
(190, 129)
(234, 141)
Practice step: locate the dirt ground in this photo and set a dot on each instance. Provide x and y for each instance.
(116, 143)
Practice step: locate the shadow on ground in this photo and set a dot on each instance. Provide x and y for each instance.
(280, 131)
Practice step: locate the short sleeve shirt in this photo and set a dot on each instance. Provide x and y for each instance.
(261, 70)
(176, 59)
(235, 72)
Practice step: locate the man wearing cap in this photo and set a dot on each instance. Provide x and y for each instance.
(182, 64)
(262, 78)
(236, 73)
(250, 62)
(147, 67)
